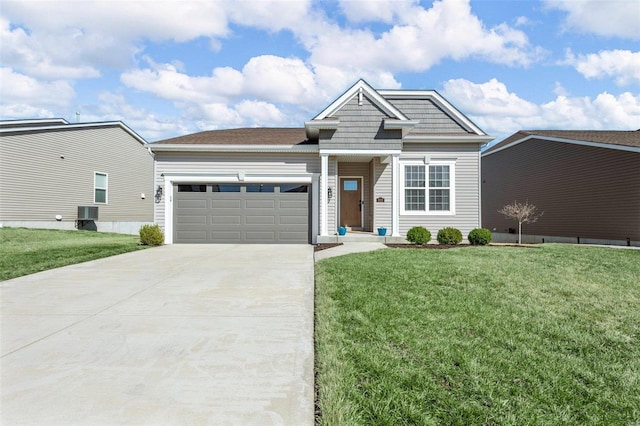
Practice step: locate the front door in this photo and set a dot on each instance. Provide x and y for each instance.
(351, 202)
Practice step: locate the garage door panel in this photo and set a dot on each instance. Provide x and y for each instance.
(192, 236)
(292, 236)
(225, 235)
(260, 236)
(293, 220)
(241, 217)
(191, 204)
(225, 220)
(293, 204)
(260, 220)
(260, 204)
(225, 204)
(192, 219)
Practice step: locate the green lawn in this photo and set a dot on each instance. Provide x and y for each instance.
(479, 336)
(25, 251)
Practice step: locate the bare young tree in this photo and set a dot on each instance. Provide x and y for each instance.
(522, 212)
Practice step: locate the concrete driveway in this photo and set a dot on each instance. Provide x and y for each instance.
(180, 334)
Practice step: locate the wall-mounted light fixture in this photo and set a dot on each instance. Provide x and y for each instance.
(329, 192)
(158, 195)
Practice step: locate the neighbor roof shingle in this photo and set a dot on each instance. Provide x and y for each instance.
(243, 136)
(613, 137)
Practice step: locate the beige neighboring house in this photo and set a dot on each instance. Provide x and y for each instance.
(49, 168)
(371, 159)
(587, 183)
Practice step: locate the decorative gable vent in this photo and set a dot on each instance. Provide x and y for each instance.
(87, 213)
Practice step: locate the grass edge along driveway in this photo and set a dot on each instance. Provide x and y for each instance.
(26, 251)
(479, 335)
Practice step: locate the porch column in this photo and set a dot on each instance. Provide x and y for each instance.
(395, 196)
(324, 199)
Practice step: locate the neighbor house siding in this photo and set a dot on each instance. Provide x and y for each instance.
(584, 191)
(49, 173)
(467, 200)
(360, 128)
(432, 118)
(215, 163)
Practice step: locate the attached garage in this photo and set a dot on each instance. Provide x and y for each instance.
(255, 213)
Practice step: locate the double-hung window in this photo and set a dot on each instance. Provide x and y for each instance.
(428, 188)
(100, 188)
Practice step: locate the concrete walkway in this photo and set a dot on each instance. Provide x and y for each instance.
(347, 248)
(181, 334)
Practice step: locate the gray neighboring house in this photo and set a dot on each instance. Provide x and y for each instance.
(372, 158)
(49, 168)
(587, 183)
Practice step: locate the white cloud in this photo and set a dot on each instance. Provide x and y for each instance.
(500, 112)
(422, 38)
(272, 15)
(277, 79)
(20, 89)
(621, 65)
(114, 106)
(612, 18)
(261, 113)
(491, 98)
(374, 10)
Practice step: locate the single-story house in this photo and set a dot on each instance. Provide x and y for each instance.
(586, 183)
(58, 175)
(371, 159)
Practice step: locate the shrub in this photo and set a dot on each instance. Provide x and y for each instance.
(418, 235)
(151, 235)
(479, 236)
(449, 236)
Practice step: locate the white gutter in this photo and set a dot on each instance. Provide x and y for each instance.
(232, 148)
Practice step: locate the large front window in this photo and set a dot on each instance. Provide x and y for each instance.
(427, 188)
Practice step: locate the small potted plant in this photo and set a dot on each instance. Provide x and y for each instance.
(382, 231)
(342, 230)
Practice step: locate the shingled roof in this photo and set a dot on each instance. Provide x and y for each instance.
(612, 137)
(243, 136)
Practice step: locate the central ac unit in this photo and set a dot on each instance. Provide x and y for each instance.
(87, 213)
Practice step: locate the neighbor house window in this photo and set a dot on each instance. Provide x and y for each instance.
(100, 187)
(427, 188)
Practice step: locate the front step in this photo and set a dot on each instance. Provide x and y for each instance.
(360, 237)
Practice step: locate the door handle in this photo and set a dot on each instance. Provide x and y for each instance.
(360, 203)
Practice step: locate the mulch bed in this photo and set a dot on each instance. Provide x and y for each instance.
(324, 246)
(427, 246)
(448, 246)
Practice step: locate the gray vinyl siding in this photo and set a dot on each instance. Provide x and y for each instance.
(36, 183)
(360, 170)
(467, 199)
(584, 191)
(212, 163)
(382, 189)
(360, 128)
(432, 118)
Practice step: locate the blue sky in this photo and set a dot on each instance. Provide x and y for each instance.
(169, 68)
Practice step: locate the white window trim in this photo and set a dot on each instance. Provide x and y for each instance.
(426, 162)
(106, 188)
